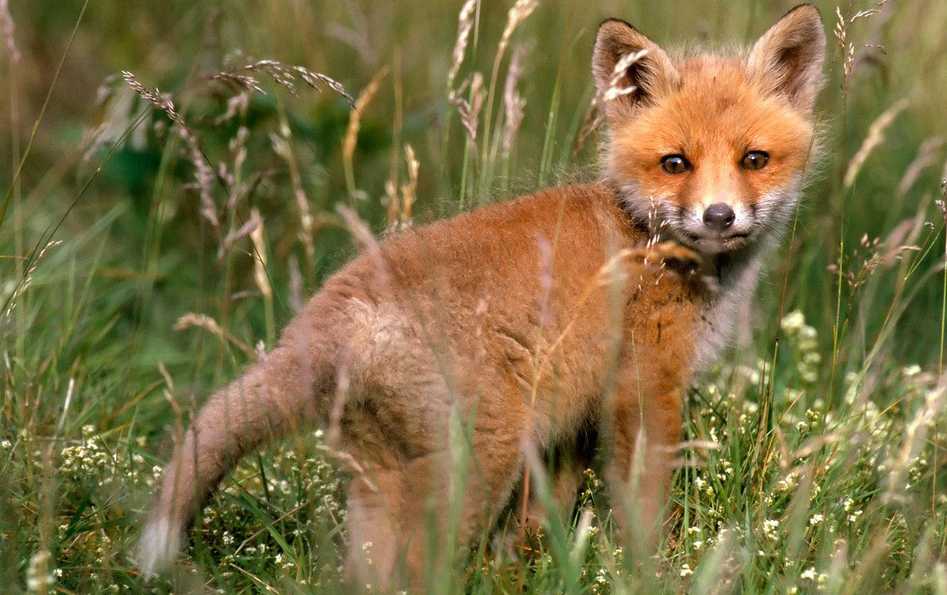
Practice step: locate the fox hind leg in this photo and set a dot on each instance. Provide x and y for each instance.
(405, 517)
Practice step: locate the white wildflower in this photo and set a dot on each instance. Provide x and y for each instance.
(792, 322)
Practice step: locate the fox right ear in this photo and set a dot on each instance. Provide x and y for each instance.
(787, 59)
(629, 69)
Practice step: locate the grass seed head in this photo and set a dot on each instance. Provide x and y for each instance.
(465, 21)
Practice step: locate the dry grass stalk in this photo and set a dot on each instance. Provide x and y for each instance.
(259, 262)
(914, 440)
(283, 148)
(410, 188)
(24, 285)
(238, 234)
(611, 273)
(202, 321)
(465, 20)
(236, 188)
(8, 30)
(296, 300)
(355, 122)
(358, 37)
(351, 462)
(942, 201)
(236, 106)
(470, 110)
(518, 13)
(846, 47)
(592, 121)
(161, 101)
(546, 279)
(615, 90)
(244, 82)
(238, 149)
(343, 383)
(392, 201)
(203, 173)
(901, 239)
(204, 176)
(287, 76)
(927, 155)
(514, 104)
(876, 136)
(873, 254)
(364, 239)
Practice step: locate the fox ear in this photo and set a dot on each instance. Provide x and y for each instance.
(629, 68)
(787, 59)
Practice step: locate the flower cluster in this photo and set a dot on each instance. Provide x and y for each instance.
(804, 340)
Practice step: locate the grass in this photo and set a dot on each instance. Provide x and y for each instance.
(815, 453)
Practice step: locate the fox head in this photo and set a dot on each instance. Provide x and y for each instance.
(710, 149)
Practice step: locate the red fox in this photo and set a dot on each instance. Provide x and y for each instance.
(587, 306)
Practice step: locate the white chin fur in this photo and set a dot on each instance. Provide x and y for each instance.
(158, 546)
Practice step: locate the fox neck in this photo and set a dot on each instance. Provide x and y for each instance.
(736, 275)
(732, 277)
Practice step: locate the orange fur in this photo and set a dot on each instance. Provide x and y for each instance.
(529, 320)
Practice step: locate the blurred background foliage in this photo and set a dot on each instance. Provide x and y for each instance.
(175, 46)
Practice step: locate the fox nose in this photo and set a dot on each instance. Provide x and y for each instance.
(719, 216)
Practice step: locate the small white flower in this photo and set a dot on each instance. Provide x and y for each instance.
(793, 321)
(816, 519)
(771, 528)
(808, 574)
(686, 570)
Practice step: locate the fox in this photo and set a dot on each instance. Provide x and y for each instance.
(587, 307)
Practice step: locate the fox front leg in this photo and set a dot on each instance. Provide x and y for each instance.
(641, 437)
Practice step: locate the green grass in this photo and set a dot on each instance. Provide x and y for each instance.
(816, 457)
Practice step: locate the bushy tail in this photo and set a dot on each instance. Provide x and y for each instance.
(284, 390)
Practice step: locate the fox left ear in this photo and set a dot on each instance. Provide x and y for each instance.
(630, 70)
(787, 60)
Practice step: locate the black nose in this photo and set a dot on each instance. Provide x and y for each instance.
(719, 216)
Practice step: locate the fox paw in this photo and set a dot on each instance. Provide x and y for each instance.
(669, 254)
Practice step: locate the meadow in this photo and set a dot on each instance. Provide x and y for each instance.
(172, 177)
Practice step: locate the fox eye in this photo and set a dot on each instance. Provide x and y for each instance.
(675, 164)
(755, 160)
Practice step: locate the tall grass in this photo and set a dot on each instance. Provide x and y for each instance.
(153, 242)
